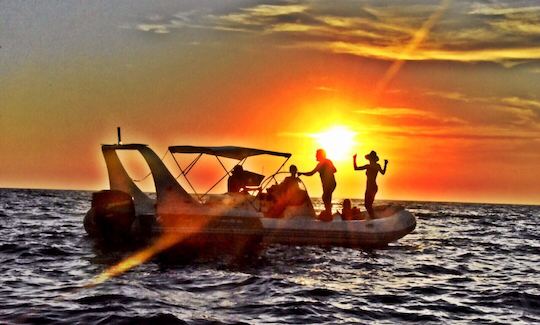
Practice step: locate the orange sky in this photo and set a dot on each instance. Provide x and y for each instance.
(459, 119)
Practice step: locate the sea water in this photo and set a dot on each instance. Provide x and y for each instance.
(464, 263)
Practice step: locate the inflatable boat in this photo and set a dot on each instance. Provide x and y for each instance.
(263, 213)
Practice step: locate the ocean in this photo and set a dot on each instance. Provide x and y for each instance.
(464, 264)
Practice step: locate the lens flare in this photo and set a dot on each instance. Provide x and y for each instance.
(417, 39)
(164, 242)
(167, 240)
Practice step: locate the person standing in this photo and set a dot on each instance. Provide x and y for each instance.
(326, 170)
(372, 169)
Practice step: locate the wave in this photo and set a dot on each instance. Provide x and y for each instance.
(464, 263)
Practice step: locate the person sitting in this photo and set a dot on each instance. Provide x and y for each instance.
(292, 181)
(286, 193)
(349, 212)
(346, 213)
(236, 182)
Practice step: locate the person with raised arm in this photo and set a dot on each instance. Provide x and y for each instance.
(372, 170)
(326, 170)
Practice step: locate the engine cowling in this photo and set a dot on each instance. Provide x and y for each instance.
(111, 215)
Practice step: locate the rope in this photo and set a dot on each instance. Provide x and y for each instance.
(150, 173)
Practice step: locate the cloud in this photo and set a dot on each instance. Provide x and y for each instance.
(451, 95)
(154, 28)
(504, 9)
(512, 23)
(165, 24)
(410, 117)
(516, 120)
(515, 110)
(275, 10)
(525, 110)
(520, 124)
(504, 31)
(466, 33)
(502, 135)
(526, 103)
(326, 89)
(394, 111)
(391, 53)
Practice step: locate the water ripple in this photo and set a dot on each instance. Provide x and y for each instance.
(465, 263)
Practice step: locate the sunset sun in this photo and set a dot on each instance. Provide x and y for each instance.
(338, 142)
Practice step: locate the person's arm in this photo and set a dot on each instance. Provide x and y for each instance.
(383, 170)
(356, 167)
(316, 169)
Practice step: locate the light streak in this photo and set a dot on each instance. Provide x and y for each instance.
(167, 240)
(417, 39)
(140, 257)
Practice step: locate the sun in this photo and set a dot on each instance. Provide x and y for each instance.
(338, 142)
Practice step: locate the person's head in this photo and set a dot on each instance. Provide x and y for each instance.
(320, 155)
(293, 169)
(238, 169)
(372, 156)
(347, 204)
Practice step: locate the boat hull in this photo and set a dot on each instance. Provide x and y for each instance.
(392, 224)
(193, 236)
(195, 233)
(243, 233)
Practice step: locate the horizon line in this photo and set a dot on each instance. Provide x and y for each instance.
(353, 198)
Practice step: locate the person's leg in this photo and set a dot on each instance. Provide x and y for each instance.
(368, 202)
(327, 197)
(327, 200)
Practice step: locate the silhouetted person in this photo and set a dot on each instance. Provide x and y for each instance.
(372, 169)
(291, 182)
(349, 212)
(286, 193)
(326, 170)
(236, 181)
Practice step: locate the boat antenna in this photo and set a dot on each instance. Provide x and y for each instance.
(119, 133)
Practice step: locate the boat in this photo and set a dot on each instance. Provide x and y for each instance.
(263, 213)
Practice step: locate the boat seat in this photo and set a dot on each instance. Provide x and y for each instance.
(252, 179)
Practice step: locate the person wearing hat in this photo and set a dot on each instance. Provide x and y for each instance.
(326, 170)
(372, 169)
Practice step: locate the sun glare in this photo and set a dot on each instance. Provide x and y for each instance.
(338, 142)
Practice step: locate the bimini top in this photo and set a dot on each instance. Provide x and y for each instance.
(232, 152)
(128, 146)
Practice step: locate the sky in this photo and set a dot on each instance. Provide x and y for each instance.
(447, 91)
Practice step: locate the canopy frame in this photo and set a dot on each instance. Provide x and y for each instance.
(232, 152)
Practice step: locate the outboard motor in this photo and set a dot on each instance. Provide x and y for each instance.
(111, 216)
